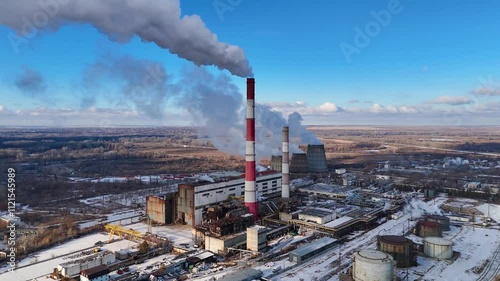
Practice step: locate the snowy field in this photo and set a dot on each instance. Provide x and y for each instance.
(494, 211)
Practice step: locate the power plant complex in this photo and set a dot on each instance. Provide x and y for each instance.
(278, 219)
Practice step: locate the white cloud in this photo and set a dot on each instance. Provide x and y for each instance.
(452, 100)
(328, 107)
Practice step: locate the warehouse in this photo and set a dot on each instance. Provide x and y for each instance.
(247, 274)
(319, 216)
(192, 198)
(310, 250)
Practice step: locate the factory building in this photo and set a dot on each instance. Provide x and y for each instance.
(316, 215)
(257, 238)
(372, 265)
(162, 208)
(311, 249)
(192, 198)
(73, 268)
(218, 245)
(98, 273)
(399, 247)
(247, 274)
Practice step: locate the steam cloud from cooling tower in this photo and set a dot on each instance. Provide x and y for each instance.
(157, 21)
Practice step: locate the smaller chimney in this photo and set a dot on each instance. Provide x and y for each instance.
(285, 188)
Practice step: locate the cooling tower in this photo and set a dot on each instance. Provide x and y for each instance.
(316, 158)
(276, 162)
(250, 186)
(298, 164)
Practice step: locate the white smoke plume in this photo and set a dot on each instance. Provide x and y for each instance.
(156, 21)
(418, 208)
(216, 105)
(145, 85)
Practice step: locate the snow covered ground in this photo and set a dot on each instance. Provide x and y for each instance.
(494, 211)
(475, 246)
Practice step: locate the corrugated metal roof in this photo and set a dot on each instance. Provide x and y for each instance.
(245, 274)
(306, 249)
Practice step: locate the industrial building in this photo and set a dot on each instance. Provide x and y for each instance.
(372, 265)
(276, 162)
(73, 268)
(438, 248)
(316, 215)
(311, 249)
(98, 273)
(162, 208)
(257, 238)
(193, 198)
(399, 247)
(247, 274)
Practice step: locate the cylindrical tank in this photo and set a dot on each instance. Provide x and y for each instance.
(399, 247)
(316, 158)
(372, 265)
(429, 228)
(437, 247)
(276, 162)
(298, 163)
(442, 220)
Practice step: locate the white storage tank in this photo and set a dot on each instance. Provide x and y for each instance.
(437, 247)
(372, 265)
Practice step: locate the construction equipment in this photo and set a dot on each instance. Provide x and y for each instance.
(122, 232)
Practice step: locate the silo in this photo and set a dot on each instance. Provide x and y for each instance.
(298, 164)
(399, 247)
(276, 162)
(442, 220)
(437, 247)
(429, 228)
(372, 265)
(316, 158)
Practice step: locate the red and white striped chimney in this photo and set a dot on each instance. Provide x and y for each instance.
(285, 174)
(250, 186)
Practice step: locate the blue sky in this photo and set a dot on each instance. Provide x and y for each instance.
(424, 63)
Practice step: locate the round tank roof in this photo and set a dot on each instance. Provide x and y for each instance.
(373, 254)
(429, 223)
(438, 241)
(394, 239)
(437, 217)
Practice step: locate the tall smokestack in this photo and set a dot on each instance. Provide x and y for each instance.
(250, 187)
(285, 189)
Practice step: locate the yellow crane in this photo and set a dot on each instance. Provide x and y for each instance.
(120, 231)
